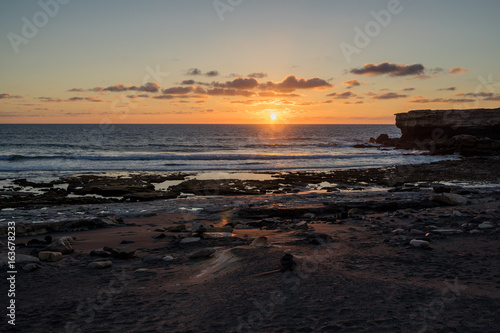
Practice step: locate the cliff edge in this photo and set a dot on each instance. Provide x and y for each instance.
(437, 125)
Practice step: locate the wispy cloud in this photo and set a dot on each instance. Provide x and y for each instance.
(6, 95)
(389, 95)
(458, 70)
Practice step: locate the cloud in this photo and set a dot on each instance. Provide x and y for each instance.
(391, 69)
(448, 89)
(178, 90)
(188, 82)
(421, 99)
(6, 95)
(409, 89)
(238, 83)
(480, 94)
(212, 73)
(276, 94)
(138, 96)
(77, 90)
(87, 99)
(344, 95)
(291, 83)
(389, 95)
(258, 75)
(229, 92)
(458, 70)
(352, 83)
(492, 98)
(151, 87)
(193, 71)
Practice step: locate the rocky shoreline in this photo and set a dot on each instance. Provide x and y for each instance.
(406, 258)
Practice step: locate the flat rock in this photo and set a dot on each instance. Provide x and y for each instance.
(483, 226)
(149, 258)
(100, 264)
(49, 256)
(168, 258)
(302, 226)
(20, 258)
(205, 253)
(448, 231)
(260, 241)
(450, 199)
(189, 240)
(123, 252)
(420, 243)
(100, 253)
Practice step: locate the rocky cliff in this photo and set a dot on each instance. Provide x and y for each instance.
(438, 125)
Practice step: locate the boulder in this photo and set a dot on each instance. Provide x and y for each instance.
(49, 256)
(449, 199)
(100, 264)
(62, 245)
(123, 252)
(302, 226)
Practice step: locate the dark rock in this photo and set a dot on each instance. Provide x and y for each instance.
(100, 253)
(205, 253)
(123, 253)
(127, 242)
(62, 245)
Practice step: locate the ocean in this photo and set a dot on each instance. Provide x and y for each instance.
(33, 151)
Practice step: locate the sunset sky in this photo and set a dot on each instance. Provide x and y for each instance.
(240, 61)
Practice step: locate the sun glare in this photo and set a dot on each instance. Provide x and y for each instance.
(273, 116)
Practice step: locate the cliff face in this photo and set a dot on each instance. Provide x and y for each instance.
(441, 124)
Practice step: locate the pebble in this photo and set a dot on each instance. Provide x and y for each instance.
(420, 243)
(168, 258)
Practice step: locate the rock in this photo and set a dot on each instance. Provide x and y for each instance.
(439, 124)
(457, 213)
(160, 236)
(49, 256)
(309, 215)
(317, 238)
(302, 226)
(100, 264)
(241, 226)
(398, 232)
(382, 139)
(420, 243)
(355, 212)
(31, 267)
(125, 242)
(62, 245)
(189, 240)
(449, 199)
(99, 253)
(220, 229)
(447, 231)
(20, 258)
(260, 241)
(177, 228)
(485, 225)
(205, 253)
(416, 232)
(168, 258)
(476, 231)
(151, 258)
(123, 252)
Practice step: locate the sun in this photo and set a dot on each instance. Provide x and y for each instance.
(273, 116)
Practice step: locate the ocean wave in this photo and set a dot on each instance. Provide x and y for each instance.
(195, 157)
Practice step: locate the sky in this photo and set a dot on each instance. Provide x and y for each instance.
(245, 61)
